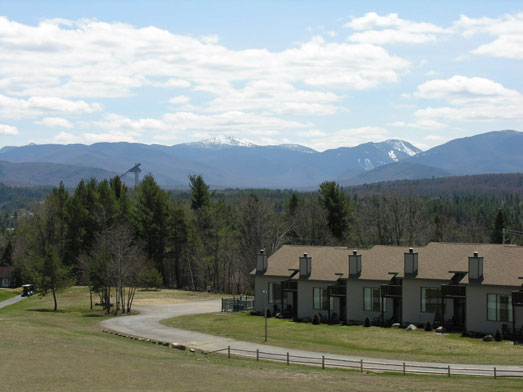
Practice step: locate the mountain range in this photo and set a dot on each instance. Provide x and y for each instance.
(228, 162)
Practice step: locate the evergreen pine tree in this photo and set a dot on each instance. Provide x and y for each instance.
(496, 236)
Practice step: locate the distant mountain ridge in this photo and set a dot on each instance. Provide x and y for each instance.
(223, 161)
(38, 173)
(227, 162)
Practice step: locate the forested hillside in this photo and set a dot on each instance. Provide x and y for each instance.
(105, 234)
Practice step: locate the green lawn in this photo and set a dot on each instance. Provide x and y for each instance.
(355, 340)
(66, 351)
(153, 296)
(9, 293)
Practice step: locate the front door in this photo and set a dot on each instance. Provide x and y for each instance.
(459, 312)
(396, 310)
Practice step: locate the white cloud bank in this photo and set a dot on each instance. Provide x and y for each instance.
(391, 29)
(8, 130)
(506, 30)
(470, 99)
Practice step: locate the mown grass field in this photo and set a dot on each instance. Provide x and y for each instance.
(355, 340)
(9, 293)
(66, 351)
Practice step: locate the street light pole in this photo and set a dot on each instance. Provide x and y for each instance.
(265, 312)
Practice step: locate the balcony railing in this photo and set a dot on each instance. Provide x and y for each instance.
(452, 291)
(337, 291)
(517, 298)
(289, 285)
(391, 290)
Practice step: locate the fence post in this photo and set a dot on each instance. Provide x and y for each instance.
(403, 368)
(448, 370)
(495, 375)
(287, 358)
(323, 361)
(229, 351)
(257, 354)
(361, 365)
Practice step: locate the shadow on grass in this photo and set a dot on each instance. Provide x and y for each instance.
(146, 290)
(48, 310)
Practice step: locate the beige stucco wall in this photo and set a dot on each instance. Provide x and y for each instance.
(476, 309)
(305, 298)
(411, 305)
(355, 310)
(261, 282)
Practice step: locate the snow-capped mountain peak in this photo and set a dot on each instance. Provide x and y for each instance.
(401, 146)
(223, 140)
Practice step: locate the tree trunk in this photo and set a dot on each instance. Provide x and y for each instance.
(54, 298)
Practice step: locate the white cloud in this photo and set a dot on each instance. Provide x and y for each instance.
(179, 100)
(116, 122)
(470, 99)
(8, 130)
(420, 124)
(506, 30)
(176, 83)
(88, 58)
(112, 136)
(278, 98)
(54, 122)
(391, 29)
(436, 138)
(16, 108)
(232, 122)
(67, 138)
(347, 137)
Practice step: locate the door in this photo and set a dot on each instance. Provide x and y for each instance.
(396, 310)
(459, 312)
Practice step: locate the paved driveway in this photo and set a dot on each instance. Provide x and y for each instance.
(147, 325)
(11, 301)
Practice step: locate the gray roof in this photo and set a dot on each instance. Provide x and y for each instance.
(502, 264)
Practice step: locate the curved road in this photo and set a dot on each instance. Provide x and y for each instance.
(147, 325)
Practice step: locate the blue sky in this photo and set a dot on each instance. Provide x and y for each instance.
(322, 74)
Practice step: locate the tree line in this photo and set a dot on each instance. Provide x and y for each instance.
(114, 239)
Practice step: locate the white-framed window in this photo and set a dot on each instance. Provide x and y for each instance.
(320, 299)
(499, 307)
(274, 293)
(431, 299)
(372, 300)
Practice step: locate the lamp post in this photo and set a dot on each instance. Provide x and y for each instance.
(265, 312)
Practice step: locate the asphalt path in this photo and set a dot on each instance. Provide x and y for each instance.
(11, 301)
(147, 325)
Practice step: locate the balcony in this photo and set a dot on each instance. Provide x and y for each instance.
(391, 290)
(337, 291)
(452, 291)
(517, 298)
(289, 285)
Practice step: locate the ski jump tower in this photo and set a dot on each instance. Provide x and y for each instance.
(136, 170)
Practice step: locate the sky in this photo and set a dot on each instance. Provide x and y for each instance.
(323, 74)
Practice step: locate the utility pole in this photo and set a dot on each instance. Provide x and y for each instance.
(265, 312)
(503, 236)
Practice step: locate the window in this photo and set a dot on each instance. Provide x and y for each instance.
(372, 300)
(274, 293)
(499, 307)
(320, 298)
(431, 299)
